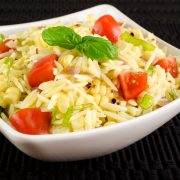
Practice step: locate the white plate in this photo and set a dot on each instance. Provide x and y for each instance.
(96, 142)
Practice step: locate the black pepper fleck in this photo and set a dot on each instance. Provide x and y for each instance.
(132, 34)
(77, 25)
(88, 85)
(113, 101)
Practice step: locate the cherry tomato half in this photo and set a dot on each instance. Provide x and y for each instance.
(31, 121)
(132, 84)
(3, 47)
(107, 26)
(42, 70)
(169, 64)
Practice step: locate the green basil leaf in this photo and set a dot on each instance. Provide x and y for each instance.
(61, 36)
(97, 48)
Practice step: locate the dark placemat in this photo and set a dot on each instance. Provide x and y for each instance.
(155, 157)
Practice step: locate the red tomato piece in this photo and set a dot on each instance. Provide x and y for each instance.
(132, 84)
(107, 26)
(42, 70)
(31, 121)
(169, 64)
(3, 47)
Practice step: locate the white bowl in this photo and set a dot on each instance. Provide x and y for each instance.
(96, 142)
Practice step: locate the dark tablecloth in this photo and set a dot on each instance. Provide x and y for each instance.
(157, 156)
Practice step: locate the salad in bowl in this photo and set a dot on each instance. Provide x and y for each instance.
(63, 78)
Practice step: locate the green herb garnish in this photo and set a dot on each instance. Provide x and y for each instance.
(54, 113)
(70, 111)
(8, 61)
(145, 102)
(67, 117)
(1, 38)
(95, 48)
(137, 42)
(151, 70)
(61, 36)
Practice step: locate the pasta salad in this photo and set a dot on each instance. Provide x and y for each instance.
(76, 77)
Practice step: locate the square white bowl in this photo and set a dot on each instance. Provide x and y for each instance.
(96, 142)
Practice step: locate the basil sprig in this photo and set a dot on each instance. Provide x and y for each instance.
(95, 48)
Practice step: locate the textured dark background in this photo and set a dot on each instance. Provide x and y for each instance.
(156, 157)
